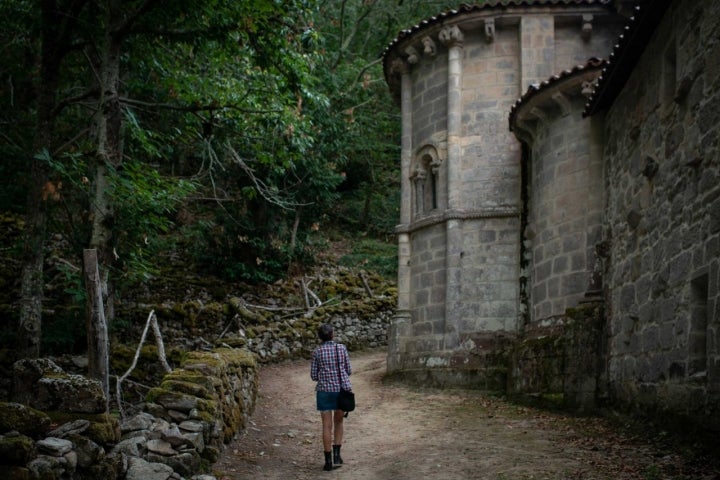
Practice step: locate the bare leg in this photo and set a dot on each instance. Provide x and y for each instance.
(327, 426)
(338, 417)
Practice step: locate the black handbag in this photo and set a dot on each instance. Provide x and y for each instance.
(346, 398)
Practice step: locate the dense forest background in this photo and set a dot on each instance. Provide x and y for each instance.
(239, 139)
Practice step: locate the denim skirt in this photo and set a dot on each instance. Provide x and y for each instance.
(326, 401)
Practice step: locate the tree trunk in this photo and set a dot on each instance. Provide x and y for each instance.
(97, 332)
(31, 277)
(109, 151)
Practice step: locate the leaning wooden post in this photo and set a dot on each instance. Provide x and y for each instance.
(97, 332)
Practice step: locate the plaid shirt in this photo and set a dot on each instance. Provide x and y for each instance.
(324, 367)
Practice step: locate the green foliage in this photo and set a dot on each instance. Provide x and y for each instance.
(250, 128)
(374, 255)
(145, 205)
(652, 472)
(72, 284)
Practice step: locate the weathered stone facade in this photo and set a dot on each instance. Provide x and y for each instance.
(461, 251)
(662, 216)
(601, 197)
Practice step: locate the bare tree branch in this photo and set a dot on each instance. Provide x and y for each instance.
(267, 193)
(151, 320)
(193, 108)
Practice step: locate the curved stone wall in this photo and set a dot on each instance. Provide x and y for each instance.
(457, 76)
(565, 193)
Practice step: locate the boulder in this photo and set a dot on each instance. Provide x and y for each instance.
(139, 469)
(42, 384)
(16, 449)
(23, 419)
(56, 447)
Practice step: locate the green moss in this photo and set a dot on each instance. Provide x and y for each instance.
(186, 376)
(104, 428)
(17, 450)
(237, 357)
(209, 406)
(206, 417)
(582, 311)
(154, 393)
(234, 342)
(188, 388)
(205, 362)
(248, 317)
(24, 419)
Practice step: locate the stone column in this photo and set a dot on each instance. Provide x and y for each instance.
(401, 325)
(405, 142)
(452, 38)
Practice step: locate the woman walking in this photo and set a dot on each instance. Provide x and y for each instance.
(331, 370)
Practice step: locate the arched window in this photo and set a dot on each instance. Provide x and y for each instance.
(425, 180)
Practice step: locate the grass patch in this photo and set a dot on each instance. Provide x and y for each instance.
(373, 254)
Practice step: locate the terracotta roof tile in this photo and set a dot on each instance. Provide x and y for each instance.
(592, 63)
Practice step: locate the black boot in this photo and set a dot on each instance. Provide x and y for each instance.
(337, 459)
(328, 461)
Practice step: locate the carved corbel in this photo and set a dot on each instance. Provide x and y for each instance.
(539, 114)
(451, 36)
(399, 67)
(525, 130)
(418, 175)
(412, 55)
(489, 29)
(562, 102)
(587, 88)
(435, 166)
(586, 30)
(429, 46)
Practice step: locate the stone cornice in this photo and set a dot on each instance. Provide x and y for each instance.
(441, 217)
(418, 40)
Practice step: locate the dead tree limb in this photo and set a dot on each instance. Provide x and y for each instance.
(151, 321)
(365, 283)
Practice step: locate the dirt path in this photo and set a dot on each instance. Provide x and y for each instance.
(402, 433)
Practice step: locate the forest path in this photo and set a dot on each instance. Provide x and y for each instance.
(399, 432)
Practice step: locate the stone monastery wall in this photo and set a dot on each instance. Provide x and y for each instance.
(462, 212)
(576, 252)
(662, 162)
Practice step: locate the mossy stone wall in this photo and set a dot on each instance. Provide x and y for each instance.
(218, 386)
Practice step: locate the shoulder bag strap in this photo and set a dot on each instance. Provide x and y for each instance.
(337, 358)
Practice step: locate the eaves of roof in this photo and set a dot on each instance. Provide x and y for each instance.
(490, 5)
(625, 55)
(533, 90)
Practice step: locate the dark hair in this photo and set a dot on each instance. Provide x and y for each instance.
(325, 332)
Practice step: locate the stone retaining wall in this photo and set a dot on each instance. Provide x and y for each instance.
(187, 419)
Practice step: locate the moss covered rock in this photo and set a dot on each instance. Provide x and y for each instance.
(16, 449)
(23, 419)
(104, 429)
